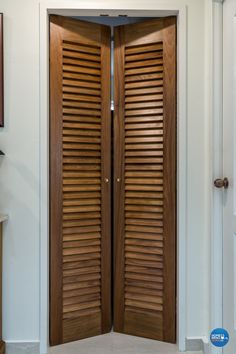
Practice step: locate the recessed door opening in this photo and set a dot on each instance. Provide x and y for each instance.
(112, 177)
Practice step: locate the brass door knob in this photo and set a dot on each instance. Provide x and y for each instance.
(221, 183)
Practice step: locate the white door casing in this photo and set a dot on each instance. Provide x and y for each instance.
(76, 8)
(229, 171)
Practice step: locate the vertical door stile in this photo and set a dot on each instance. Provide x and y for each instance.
(56, 194)
(119, 280)
(106, 180)
(169, 177)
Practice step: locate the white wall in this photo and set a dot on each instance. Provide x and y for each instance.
(19, 177)
(19, 181)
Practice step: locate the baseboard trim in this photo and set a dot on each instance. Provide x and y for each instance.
(18, 347)
(197, 344)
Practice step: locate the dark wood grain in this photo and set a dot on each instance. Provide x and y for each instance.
(80, 220)
(2, 347)
(169, 171)
(145, 163)
(119, 225)
(56, 183)
(82, 326)
(144, 180)
(1, 74)
(106, 180)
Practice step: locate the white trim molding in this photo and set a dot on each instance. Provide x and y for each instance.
(85, 8)
(19, 347)
(219, 1)
(216, 275)
(195, 344)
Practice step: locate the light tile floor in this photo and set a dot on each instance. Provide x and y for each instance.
(115, 343)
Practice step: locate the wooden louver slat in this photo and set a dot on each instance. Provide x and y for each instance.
(145, 128)
(80, 220)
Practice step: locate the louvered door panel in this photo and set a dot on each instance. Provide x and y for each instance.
(80, 165)
(81, 187)
(145, 129)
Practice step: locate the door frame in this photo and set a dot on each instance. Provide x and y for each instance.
(216, 169)
(80, 8)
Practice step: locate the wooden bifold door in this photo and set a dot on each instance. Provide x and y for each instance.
(143, 186)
